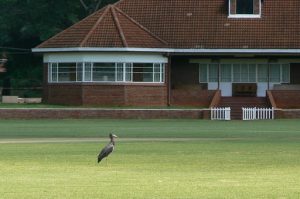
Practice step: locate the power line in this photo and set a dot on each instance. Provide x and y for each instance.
(12, 48)
(18, 53)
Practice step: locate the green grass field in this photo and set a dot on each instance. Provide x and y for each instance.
(235, 159)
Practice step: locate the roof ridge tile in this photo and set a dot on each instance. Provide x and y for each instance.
(119, 27)
(107, 8)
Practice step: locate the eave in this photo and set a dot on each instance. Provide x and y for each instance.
(173, 51)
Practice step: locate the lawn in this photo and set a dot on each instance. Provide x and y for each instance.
(235, 159)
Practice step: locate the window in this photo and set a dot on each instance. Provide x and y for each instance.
(280, 73)
(225, 73)
(52, 72)
(245, 73)
(244, 8)
(87, 72)
(106, 72)
(213, 71)
(274, 73)
(63, 72)
(79, 74)
(285, 73)
(262, 72)
(208, 73)
(147, 72)
(120, 72)
(203, 73)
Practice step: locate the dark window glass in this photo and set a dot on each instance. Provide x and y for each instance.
(244, 6)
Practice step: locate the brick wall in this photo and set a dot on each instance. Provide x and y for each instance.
(68, 94)
(99, 114)
(191, 95)
(121, 114)
(107, 95)
(286, 99)
(287, 114)
(146, 95)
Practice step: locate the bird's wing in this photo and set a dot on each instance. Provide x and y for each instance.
(105, 151)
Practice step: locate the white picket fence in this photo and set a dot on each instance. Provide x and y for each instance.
(220, 113)
(258, 113)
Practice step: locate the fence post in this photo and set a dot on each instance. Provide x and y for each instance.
(258, 113)
(220, 113)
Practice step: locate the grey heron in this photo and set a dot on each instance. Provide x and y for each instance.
(108, 149)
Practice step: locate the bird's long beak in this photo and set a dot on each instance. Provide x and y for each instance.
(114, 136)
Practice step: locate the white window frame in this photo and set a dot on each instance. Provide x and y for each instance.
(244, 15)
(50, 70)
(162, 73)
(125, 79)
(281, 79)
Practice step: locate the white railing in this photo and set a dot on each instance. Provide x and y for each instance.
(220, 113)
(258, 113)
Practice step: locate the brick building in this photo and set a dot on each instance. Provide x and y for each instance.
(176, 52)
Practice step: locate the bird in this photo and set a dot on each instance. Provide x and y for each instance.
(108, 149)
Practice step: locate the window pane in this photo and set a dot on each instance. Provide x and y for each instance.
(274, 73)
(285, 73)
(252, 72)
(203, 73)
(244, 73)
(53, 72)
(213, 72)
(79, 72)
(128, 72)
(262, 72)
(225, 72)
(120, 72)
(158, 73)
(162, 72)
(104, 72)
(66, 72)
(142, 72)
(244, 6)
(236, 73)
(88, 72)
(49, 72)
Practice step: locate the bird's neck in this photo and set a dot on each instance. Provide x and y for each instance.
(112, 141)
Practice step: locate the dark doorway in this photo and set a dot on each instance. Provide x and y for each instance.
(295, 73)
(184, 73)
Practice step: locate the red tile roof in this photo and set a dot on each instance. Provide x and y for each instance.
(184, 24)
(109, 27)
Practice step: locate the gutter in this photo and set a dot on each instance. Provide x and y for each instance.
(169, 50)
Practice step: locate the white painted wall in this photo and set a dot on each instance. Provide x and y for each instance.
(212, 86)
(66, 57)
(261, 89)
(226, 89)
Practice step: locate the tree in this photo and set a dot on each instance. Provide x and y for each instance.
(91, 6)
(26, 23)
